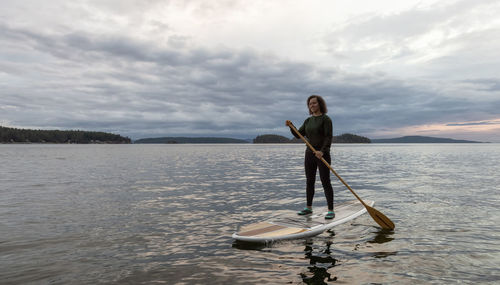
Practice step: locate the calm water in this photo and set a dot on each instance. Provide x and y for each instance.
(141, 214)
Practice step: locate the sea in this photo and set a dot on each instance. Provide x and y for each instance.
(164, 214)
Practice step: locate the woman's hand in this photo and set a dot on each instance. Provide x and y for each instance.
(288, 123)
(319, 154)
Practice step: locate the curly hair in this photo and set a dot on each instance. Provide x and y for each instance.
(321, 102)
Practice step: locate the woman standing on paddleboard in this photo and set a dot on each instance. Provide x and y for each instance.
(318, 130)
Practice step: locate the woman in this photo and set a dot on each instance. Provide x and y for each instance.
(318, 130)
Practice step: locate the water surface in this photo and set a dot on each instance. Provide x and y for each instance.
(138, 214)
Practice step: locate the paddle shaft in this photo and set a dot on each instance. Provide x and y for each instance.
(327, 164)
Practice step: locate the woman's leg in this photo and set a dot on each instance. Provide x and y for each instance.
(324, 175)
(310, 166)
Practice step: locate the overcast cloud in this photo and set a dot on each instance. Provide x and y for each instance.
(240, 69)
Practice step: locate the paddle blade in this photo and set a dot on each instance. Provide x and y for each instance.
(380, 218)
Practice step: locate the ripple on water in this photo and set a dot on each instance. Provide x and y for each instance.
(165, 213)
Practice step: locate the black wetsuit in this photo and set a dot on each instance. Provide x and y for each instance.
(318, 130)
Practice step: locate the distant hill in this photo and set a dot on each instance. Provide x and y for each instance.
(420, 139)
(344, 138)
(271, 139)
(174, 140)
(350, 138)
(14, 135)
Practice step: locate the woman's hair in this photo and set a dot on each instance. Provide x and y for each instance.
(322, 105)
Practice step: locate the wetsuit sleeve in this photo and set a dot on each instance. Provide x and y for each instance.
(302, 130)
(328, 132)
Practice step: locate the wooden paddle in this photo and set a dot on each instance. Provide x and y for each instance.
(380, 218)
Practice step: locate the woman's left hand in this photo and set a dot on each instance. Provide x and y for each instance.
(319, 154)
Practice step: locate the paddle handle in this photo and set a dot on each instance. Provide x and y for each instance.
(326, 163)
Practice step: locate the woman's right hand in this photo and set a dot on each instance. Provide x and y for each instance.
(288, 123)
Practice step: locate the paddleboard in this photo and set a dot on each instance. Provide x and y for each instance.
(292, 226)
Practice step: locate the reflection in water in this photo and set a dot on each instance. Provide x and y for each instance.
(382, 236)
(320, 262)
(384, 254)
(320, 259)
(244, 245)
(318, 277)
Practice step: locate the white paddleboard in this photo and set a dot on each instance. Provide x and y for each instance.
(293, 226)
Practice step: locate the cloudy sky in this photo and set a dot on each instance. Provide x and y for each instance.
(234, 68)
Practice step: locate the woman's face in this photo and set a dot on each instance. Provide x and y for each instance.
(314, 105)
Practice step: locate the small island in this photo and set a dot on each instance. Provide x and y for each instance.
(14, 135)
(270, 138)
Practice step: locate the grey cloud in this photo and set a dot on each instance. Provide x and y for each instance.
(409, 23)
(391, 38)
(485, 84)
(474, 124)
(129, 86)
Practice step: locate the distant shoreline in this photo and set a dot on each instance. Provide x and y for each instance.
(421, 139)
(27, 136)
(277, 139)
(189, 140)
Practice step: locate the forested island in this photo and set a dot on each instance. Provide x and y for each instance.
(344, 138)
(14, 135)
(271, 139)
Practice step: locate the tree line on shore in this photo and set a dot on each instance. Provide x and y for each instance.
(14, 135)
(269, 138)
(344, 138)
